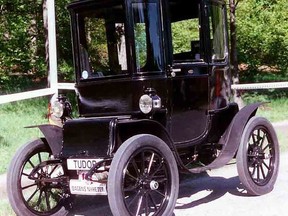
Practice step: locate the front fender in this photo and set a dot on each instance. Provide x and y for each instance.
(53, 135)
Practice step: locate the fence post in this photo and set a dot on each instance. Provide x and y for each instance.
(52, 72)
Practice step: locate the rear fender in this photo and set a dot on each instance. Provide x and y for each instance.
(53, 135)
(234, 132)
(232, 136)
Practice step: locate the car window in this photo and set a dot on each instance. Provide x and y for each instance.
(147, 35)
(185, 31)
(102, 43)
(217, 33)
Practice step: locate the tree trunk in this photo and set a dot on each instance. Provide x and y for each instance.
(45, 25)
(233, 52)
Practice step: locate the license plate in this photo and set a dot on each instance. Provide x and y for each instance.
(81, 164)
(87, 187)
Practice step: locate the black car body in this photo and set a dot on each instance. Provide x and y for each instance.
(153, 86)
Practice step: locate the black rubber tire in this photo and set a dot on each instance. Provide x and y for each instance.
(134, 155)
(17, 175)
(258, 157)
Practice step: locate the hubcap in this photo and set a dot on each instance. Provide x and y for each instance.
(154, 185)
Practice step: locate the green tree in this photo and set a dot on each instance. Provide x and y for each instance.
(263, 33)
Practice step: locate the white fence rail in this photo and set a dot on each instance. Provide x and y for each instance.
(254, 86)
(36, 93)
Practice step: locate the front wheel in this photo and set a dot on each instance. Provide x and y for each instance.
(37, 196)
(143, 178)
(258, 157)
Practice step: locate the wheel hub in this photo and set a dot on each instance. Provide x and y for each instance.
(258, 155)
(154, 185)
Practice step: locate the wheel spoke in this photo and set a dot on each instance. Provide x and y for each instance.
(263, 139)
(29, 199)
(147, 207)
(29, 161)
(258, 137)
(47, 200)
(131, 176)
(153, 202)
(142, 161)
(135, 166)
(131, 188)
(134, 198)
(54, 168)
(262, 172)
(158, 168)
(139, 205)
(254, 140)
(264, 163)
(39, 198)
(25, 174)
(55, 196)
(39, 157)
(28, 186)
(268, 145)
(258, 173)
(161, 194)
(160, 179)
(150, 162)
(254, 170)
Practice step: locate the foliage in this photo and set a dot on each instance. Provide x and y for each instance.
(263, 33)
(22, 38)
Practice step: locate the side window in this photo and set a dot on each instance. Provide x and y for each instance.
(218, 33)
(147, 34)
(102, 43)
(186, 38)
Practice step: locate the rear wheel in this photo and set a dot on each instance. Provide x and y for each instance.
(258, 157)
(28, 196)
(143, 178)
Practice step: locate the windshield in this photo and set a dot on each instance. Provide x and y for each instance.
(102, 42)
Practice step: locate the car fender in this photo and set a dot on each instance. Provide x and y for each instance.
(231, 138)
(53, 136)
(234, 132)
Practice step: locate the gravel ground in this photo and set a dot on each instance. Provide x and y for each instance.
(217, 192)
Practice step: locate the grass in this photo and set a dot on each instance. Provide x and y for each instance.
(13, 118)
(276, 104)
(5, 208)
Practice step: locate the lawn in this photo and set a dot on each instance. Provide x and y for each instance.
(13, 118)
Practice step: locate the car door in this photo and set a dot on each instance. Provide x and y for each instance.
(189, 74)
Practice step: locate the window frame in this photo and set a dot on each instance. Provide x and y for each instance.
(130, 30)
(79, 13)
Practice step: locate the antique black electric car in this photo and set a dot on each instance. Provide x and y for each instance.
(154, 99)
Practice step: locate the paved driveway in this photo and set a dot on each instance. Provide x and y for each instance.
(215, 193)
